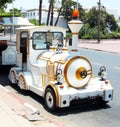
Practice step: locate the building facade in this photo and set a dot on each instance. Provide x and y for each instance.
(34, 14)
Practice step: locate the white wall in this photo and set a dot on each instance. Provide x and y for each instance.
(34, 14)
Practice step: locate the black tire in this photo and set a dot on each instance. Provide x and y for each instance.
(102, 102)
(50, 99)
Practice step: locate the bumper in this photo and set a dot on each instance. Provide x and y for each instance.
(92, 91)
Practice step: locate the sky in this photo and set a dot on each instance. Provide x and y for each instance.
(32, 4)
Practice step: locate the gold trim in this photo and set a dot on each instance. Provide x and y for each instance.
(60, 101)
(74, 50)
(43, 80)
(43, 58)
(78, 71)
(50, 71)
(63, 49)
(75, 23)
(49, 59)
(74, 33)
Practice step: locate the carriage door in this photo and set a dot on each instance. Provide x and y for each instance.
(23, 46)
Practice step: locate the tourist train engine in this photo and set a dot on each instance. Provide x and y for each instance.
(58, 74)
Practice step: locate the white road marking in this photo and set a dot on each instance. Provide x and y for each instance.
(118, 68)
(99, 64)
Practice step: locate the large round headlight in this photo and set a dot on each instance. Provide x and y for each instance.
(78, 72)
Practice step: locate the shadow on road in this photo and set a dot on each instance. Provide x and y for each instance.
(4, 71)
(4, 81)
(88, 107)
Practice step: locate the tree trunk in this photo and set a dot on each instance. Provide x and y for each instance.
(48, 16)
(40, 11)
(58, 16)
(52, 12)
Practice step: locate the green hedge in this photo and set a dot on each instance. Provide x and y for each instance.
(9, 15)
(113, 35)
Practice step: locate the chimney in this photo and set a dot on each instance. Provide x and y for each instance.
(75, 25)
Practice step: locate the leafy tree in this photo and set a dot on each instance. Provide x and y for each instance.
(3, 3)
(107, 24)
(63, 10)
(2, 11)
(111, 22)
(118, 29)
(34, 21)
(16, 12)
(68, 6)
(91, 17)
(84, 30)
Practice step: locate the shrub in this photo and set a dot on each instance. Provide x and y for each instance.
(113, 35)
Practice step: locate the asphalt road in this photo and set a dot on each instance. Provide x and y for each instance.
(86, 115)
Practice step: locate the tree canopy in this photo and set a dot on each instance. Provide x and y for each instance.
(90, 29)
(17, 13)
(3, 3)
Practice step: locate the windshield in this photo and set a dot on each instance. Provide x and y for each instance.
(43, 40)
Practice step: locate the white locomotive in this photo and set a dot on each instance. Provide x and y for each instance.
(58, 74)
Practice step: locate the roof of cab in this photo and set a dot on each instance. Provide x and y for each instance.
(41, 28)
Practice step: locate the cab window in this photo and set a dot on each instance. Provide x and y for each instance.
(43, 40)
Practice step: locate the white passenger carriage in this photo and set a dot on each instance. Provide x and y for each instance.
(58, 74)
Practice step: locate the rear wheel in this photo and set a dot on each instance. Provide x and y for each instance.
(21, 82)
(13, 77)
(50, 99)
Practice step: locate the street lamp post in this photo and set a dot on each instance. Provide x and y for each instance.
(77, 4)
(99, 6)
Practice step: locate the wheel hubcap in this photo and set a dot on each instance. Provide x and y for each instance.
(49, 99)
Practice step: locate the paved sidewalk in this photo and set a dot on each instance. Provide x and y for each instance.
(15, 112)
(112, 46)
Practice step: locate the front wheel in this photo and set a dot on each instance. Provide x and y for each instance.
(50, 99)
(102, 102)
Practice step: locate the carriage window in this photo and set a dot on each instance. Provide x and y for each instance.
(23, 45)
(23, 39)
(43, 40)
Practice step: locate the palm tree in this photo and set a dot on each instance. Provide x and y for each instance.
(62, 3)
(48, 16)
(65, 5)
(51, 10)
(40, 11)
